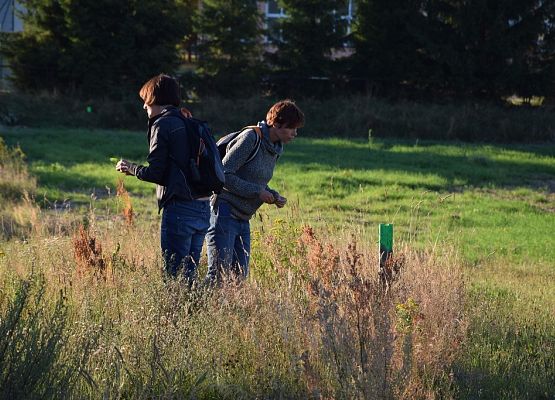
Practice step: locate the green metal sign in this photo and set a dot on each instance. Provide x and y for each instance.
(386, 251)
(386, 238)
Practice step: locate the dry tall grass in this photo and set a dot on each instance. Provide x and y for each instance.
(14, 178)
(393, 342)
(17, 186)
(313, 320)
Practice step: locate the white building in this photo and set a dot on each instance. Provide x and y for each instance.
(272, 11)
(9, 22)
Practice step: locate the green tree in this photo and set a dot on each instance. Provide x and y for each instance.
(305, 41)
(96, 47)
(481, 48)
(387, 52)
(35, 54)
(229, 50)
(491, 48)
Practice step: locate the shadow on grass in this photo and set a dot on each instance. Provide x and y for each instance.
(473, 169)
(512, 362)
(457, 170)
(507, 384)
(459, 164)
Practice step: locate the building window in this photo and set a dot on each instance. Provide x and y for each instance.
(274, 12)
(9, 22)
(346, 15)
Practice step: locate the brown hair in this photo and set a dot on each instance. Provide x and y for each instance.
(286, 113)
(161, 90)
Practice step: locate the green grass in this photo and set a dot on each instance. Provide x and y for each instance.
(495, 204)
(73, 164)
(492, 200)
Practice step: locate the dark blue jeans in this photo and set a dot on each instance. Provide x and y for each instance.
(228, 243)
(184, 225)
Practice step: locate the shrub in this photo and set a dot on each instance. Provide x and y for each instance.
(398, 341)
(88, 253)
(52, 109)
(353, 117)
(33, 333)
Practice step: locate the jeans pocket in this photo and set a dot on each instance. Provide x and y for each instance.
(172, 223)
(180, 219)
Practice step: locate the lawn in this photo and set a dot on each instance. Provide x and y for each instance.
(493, 204)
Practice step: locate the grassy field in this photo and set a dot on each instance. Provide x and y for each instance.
(494, 202)
(488, 209)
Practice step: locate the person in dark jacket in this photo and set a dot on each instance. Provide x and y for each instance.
(246, 189)
(172, 139)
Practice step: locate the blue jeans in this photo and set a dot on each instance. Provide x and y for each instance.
(228, 243)
(184, 225)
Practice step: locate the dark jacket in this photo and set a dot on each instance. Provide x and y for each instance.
(172, 141)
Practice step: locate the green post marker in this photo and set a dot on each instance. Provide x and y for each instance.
(89, 109)
(386, 245)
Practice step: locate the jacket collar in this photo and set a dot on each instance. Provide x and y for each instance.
(169, 110)
(273, 147)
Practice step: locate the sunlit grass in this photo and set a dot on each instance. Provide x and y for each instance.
(486, 198)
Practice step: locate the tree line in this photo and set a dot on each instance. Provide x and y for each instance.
(396, 48)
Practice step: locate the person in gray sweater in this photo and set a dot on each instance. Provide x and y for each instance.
(246, 189)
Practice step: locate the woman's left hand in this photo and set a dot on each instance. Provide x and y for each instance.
(280, 201)
(123, 167)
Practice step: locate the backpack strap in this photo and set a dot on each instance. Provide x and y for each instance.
(254, 151)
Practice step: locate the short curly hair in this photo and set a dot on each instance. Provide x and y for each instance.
(161, 90)
(285, 113)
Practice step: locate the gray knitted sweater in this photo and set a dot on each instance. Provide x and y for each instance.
(244, 182)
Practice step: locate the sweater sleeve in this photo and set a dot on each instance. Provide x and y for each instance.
(274, 192)
(158, 159)
(238, 153)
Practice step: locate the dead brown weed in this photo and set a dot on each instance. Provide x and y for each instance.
(127, 210)
(88, 254)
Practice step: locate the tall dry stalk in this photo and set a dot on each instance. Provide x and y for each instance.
(123, 194)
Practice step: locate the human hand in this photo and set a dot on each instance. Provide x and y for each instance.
(267, 197)
(123, 167)
(281, 201)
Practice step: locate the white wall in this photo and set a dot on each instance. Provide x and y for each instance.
(9, 21)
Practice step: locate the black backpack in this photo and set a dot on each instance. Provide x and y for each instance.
(205, 165)
(224, 142)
